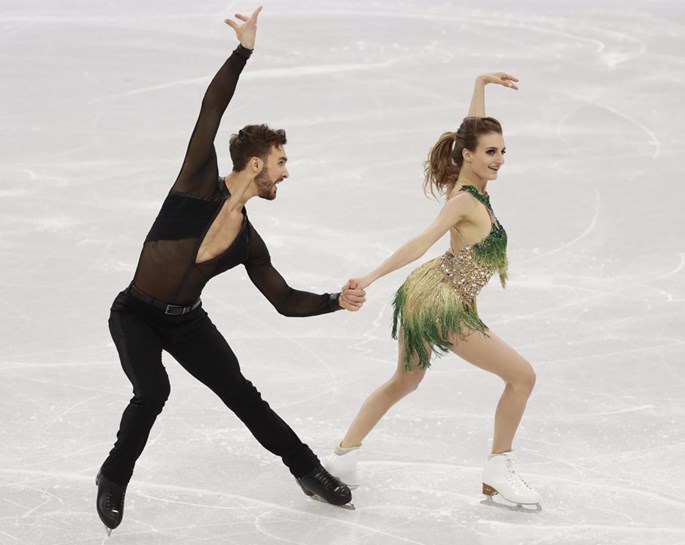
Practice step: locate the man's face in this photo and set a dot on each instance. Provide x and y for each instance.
(273, 172)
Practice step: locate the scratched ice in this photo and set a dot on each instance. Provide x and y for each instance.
(99, 100)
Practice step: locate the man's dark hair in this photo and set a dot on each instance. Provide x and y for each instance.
(253, 141)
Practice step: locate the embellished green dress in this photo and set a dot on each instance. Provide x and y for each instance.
(438, 299)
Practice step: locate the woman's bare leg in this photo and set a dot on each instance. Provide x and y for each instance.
(494, 355)
(377, 404)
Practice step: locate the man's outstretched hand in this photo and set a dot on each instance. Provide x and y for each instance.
(248, 30)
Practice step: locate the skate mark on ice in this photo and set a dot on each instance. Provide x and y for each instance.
(554, 527)
(591, 226)
(139, 488)
(259, 525)
(268, 73)
(622, 491)
(10, 536)
(602, 355)
(579, 34)
(272, 507)
(332, 384)
(606, 413)
(653, 140)
(676, 270)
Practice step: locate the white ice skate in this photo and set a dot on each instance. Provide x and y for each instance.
(500, 477)
(343, 465)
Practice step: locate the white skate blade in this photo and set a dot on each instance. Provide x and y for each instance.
(109, 531)
(518, 507)
(347, 506)
(348, 485)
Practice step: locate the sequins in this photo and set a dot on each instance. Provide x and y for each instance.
(482, 197)
(490, 255)
(473, 266)
(463, 273)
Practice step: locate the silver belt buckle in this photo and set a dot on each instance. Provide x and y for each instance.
(169, 308)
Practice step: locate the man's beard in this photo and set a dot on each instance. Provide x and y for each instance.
(266, 188)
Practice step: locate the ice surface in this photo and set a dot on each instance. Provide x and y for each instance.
(99, 99)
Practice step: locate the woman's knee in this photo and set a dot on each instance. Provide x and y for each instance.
(408, 381)
(524, 380)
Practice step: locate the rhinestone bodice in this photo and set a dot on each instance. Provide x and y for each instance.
(471, 268)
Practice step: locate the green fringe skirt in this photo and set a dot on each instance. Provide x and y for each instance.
(429, 312)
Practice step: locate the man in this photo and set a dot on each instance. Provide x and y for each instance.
(202, 230)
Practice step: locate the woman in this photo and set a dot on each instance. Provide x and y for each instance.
(435, 308)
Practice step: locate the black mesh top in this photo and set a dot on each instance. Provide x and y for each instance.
(167, 268)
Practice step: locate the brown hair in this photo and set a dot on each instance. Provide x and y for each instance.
(445, 158)
(253, 141)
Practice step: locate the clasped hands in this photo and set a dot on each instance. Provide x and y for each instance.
(352, 296)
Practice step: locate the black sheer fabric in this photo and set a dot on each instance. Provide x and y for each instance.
(167, 269)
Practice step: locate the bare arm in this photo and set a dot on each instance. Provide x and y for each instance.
(455, 210)
(477, 107)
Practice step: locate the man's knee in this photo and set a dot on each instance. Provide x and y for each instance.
(152, 398)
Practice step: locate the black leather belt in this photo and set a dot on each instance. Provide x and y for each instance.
(173, 310)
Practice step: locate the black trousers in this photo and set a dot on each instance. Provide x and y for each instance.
(140, 333)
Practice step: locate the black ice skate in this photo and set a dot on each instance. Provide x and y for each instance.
(110, 502)
(321, 485)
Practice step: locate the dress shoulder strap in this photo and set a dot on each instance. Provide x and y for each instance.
(459, 235)
(482, 197)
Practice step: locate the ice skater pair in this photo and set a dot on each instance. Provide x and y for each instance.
(203, 230)
(435, 308)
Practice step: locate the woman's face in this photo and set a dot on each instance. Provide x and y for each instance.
(488, 157)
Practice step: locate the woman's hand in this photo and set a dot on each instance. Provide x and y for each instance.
(499, 78)
(477, 107)
(353, 296)
(248, 30)
(361, 283)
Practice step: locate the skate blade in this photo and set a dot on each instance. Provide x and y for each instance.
(346, 506)
(518, 507)
(109, 531)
